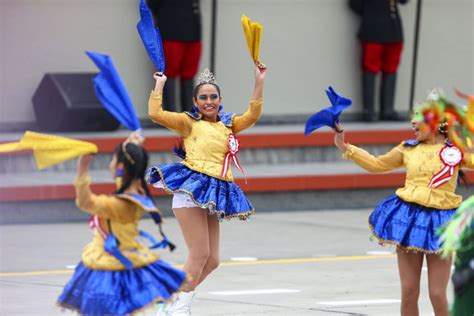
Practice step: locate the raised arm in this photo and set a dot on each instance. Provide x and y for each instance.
(178, 122)
(254, 111)
(384, 163)
(106, 206)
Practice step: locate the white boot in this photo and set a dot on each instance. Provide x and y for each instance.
(166, 309)
(163, 308)
(181, 306)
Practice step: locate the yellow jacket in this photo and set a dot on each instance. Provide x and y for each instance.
(124, 215)
(422, 162)
(205, 142)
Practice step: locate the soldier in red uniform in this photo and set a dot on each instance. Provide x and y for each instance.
(381, 38)
(179, 22)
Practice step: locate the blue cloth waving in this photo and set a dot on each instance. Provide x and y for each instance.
(151, 37)
(330, 115)
(111, 92)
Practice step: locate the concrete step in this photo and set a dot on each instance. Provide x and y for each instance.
(252, 172)
(21, 164)
(257, 129)
(49, 197)
(264, 146)
(285, 171)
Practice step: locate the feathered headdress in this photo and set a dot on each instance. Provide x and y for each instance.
(442, 114)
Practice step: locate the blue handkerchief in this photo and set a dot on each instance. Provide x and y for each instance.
(111, 92)
(151, 37)
(330, 115)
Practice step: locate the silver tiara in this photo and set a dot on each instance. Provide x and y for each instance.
(206, 77)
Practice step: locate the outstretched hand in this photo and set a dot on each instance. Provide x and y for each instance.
(160, 81)
(339, 138)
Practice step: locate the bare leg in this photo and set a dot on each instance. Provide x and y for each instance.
(194, 226)
(214, 238)
(439, 271)
(409, 268)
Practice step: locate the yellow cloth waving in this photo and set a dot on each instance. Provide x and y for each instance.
(49, 150)
(253, 36)
(9, 147)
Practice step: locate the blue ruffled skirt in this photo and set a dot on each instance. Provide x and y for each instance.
(409, 226)
(222, 197)
(98, 292)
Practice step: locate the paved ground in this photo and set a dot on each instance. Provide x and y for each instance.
(309, 263)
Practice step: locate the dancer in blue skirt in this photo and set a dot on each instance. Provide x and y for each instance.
(202, 184)
(118, 275)
(409, 218)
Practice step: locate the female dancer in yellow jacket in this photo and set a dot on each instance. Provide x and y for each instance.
(409, 218)
(118, 275)
(202, 184)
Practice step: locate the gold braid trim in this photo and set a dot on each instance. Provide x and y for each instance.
(242, 215)
(232, 118)
(399, 246)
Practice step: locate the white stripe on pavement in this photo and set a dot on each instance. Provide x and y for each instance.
(243, 259)
(360, 302)
(252, 292)
(378, 252)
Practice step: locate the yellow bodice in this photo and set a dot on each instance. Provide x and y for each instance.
(206, 143)
(421, 161)
(206, 147)
(123, 216)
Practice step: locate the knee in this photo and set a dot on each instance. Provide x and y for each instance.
(410, 293)
(200, 259)
(437, 296)
(213, 263)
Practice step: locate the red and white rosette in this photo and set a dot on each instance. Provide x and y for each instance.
(451, 156)
(231, 155)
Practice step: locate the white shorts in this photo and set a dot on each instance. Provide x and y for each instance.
(181, 200)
